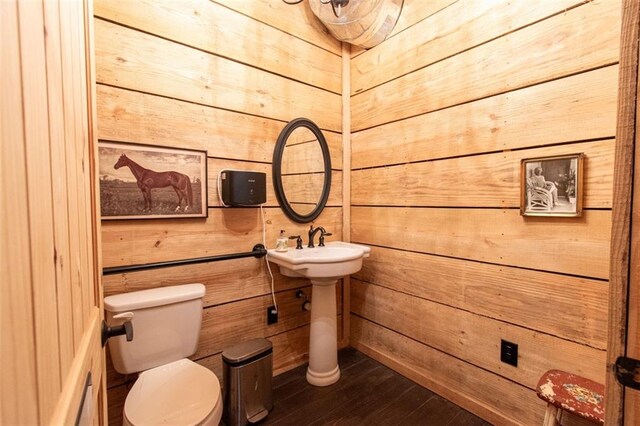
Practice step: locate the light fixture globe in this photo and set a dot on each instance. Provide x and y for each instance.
(364, 23)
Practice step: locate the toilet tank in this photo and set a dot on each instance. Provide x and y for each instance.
(166, 326)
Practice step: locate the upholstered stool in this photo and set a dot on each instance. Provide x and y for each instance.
(567, 392)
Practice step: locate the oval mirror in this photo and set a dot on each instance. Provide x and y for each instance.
(302, 170)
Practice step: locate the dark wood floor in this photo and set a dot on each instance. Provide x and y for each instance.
(368, 393)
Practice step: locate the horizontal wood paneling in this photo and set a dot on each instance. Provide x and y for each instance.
(303, 157)
(442, 114)
(491, 180)
(130, 116)
(413, 11)
(227, 86)
(216, 29)
(531, 299)
(224, 281)
(19, 374)
(228, 324)
(300, 159)
(224, 231)
(575, 108)
(499, 401)
(311, 182)
(307, 188)
(130, 59)
(474, 338)
(494, 398)
(571, 42)
(578, 246)
(297, 20)
(454, 29)
(290, 349)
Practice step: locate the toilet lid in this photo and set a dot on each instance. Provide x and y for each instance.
(181, 392)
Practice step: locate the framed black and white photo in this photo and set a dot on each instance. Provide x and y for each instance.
(551, 186)
(151, 182)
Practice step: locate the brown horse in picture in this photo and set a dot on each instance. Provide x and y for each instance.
(149, 179)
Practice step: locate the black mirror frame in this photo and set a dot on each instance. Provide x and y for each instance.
(276, 169)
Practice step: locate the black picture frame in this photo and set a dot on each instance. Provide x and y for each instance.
(559, 192)
(123, 198)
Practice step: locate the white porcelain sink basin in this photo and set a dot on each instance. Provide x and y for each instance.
(323, 266)
(331, 262)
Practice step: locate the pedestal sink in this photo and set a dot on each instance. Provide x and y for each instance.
(324, 266)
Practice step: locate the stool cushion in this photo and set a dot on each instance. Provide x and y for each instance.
(572, 393)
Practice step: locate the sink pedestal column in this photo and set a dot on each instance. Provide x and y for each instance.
(323, 341)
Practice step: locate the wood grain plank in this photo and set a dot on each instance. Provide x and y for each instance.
(491, 180)
(531, 299)
(59, 185)
(216, 335)
(306, 156)
(224, 32)
(73, 169)
(461, 26)
(224, 231)
(18, 376)
(529, 117)
(130, 59)
(82, 163)
(491, 235)
(224, 281)
(495, 399)
(413, 11)
(129, 116)
(302, 157)
(572, 42)
(308, 188)
(621, 258)
(297, 20)
(310, 183)
(624, 207)
(290, 350)
(346, 178)
(474, 338)
(116, 397)
(40, 212)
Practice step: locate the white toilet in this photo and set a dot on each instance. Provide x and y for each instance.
(171, 389)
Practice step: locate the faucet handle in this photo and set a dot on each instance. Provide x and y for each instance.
(322, 235)
(298, 239)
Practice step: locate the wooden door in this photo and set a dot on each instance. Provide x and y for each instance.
(50, 298)
(623, 404)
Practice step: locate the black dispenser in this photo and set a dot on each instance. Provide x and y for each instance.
(243, 188)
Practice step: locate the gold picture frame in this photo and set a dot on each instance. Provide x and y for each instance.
(552, 186)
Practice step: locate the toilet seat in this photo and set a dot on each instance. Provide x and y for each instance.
(179, 393)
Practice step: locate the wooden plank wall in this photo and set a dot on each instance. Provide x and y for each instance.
(442, 113)
(50, 319)
(225, 77)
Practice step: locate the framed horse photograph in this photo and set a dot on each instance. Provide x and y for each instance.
(552, 186)
(151, 182)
